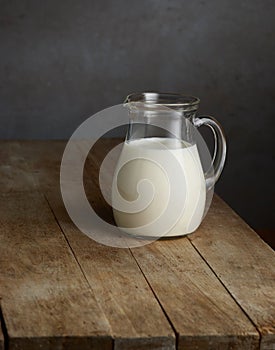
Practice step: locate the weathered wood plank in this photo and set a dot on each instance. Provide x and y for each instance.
(188, 312)
(214, 245)
(45, 299)
(202, 312)
(35, 165)
(94, 164)
(15, 174)
(244, 264)
(136, 319)
(30, 165)
(135, 316)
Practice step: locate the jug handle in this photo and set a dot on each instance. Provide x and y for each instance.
(220, 147)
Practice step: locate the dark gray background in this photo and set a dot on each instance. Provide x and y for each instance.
(61, 61)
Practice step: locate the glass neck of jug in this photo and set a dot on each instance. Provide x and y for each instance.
(160, 115)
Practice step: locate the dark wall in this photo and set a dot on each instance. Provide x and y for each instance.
(61, 61)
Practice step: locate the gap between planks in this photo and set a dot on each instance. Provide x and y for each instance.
(237, 342)
(42, 289)
(247, 272)
(165, 313)
(66, 239)
(213, 266)
(137, 321)
(80, 266)
(228, 290)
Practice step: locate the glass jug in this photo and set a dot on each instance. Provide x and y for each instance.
(159, 187)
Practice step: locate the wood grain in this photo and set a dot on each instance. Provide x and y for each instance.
(45, 299)
(15, 174)
(226, 323)
(203, 314)
(30, 165)
(136, 319)
(244, 264)
(95, 161)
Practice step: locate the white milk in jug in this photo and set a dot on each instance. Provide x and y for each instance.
(140, 160)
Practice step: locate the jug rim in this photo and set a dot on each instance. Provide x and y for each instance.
(167, 99)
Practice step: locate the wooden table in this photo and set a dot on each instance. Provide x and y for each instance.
(61, 290)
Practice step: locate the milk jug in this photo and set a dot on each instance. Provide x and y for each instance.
(160, 188)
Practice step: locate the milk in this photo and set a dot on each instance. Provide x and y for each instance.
(171, 200)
